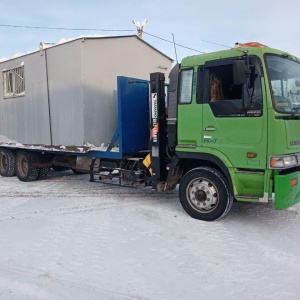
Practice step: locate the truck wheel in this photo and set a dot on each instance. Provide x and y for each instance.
(7, 163)
(24, 169)
(204, 194)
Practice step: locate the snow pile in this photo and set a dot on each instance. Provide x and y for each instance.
(6, 141)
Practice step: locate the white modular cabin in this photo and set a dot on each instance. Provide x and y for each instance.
(65, 95)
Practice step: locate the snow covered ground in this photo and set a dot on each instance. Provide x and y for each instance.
(67, 238)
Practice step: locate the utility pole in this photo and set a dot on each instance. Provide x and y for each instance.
(139, 26)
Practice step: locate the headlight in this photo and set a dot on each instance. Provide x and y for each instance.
(283, 162)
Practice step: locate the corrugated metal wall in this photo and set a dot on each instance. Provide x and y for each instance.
(82, 81)
(113, 57)
(25, 119)
(65, 92)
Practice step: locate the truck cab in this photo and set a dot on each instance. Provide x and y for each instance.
(237, 131)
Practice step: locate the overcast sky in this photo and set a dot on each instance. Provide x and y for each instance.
(274, 23)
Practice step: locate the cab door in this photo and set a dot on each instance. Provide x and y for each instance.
(189, 112)
(233, 116)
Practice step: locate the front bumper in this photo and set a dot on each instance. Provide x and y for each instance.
(287, 190)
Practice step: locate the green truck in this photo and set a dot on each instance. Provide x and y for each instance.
(228, 131)
(234, 130)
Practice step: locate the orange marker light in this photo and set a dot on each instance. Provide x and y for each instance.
(294, 182)
(254, 44)
(273, 162)
(251, 154)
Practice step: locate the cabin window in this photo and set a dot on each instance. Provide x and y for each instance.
(186, 86)
(14, 82)
(229, 100)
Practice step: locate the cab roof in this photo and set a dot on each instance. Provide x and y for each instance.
(239, 50)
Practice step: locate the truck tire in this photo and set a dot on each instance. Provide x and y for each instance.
(24, 170)
(204, 194)
(7, 163)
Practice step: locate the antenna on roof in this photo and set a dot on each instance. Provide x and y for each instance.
(175, 47)
(139, 26)
(45, 45)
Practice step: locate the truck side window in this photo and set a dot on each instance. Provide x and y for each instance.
(186, 86)
(229, 100)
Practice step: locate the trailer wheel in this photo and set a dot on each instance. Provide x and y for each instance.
(7, 163)
(25, 171)
(204, 194)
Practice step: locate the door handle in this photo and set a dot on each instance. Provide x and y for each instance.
(209, 128)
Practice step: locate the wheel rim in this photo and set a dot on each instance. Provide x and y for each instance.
(23, 166)
(202, 195)
(3, 162)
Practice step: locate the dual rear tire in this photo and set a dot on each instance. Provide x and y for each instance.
(24, 169)
(7, 162)
(20, 164)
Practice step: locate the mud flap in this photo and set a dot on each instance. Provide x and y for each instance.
(287, 190)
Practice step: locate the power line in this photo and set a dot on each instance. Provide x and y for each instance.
(173, 43)
(217, 44)
(95, 29)
(63, 28)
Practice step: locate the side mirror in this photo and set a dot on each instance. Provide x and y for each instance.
(239, 74)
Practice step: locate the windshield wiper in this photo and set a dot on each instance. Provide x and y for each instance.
(295, 110)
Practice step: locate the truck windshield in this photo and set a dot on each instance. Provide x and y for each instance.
(285, 83)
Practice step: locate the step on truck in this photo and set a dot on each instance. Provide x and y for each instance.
(225, 128)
